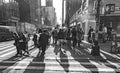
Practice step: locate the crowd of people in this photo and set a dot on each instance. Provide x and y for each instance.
(72, 35)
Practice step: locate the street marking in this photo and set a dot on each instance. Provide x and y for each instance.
(7, 54)
(112, 55)
(102, 67)
(51, 65)
(6, 43)
(7, 50)
(19, 67)
(4, 47)
(79, 66)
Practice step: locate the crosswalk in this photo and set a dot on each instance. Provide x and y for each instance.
(65, 61)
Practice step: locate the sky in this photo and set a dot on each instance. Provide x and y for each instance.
(58, 8)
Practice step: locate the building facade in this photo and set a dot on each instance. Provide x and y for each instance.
(48, 16)
(110, 14)
(9, 13)
(33, 11)
(71, 8)
(49, 3)
(87, 15)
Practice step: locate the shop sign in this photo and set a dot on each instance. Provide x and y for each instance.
(117, 8)
(110, 8)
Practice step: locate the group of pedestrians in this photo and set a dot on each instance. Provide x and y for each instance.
(106, 32)
(21, 43)
(41, 40)
(73, 35)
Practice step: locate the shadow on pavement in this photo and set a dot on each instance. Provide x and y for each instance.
(37, 64)
(63, 61)
(57, 49)
(98, 59)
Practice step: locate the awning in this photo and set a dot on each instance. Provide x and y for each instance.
(110, 17)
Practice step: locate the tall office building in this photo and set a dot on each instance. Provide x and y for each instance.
(49, 3)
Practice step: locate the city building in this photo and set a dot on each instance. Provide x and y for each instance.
(110, 14)
(71, 7)
(48, 16)
(33, 11)
(24, 10)
(49, 3)
(87, 15)
(9, 13)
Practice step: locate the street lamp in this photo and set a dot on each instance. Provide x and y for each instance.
(62, 12)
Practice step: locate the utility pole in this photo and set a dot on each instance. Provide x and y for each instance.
(98, 16)
(62, 12)
(39, 12)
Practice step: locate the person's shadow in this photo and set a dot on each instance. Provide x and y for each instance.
(56, 49)
(38, 62)
(63, 61)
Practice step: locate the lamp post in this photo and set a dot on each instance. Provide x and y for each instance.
(98, 17)
(39, 12)
(62, 12)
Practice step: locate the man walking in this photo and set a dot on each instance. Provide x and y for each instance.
(43, 41)
(16, 38)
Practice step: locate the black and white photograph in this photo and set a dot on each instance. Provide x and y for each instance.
(59, 36)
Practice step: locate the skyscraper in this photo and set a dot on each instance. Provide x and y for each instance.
(49, 3)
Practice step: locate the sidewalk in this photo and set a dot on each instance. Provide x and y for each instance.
(104, 51)
(103, 46)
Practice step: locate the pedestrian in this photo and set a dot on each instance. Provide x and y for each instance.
(90, 34)
(35, 39)
(55, 35)
(104, 34)
(109, 37)
(22, 44)
(68, 38)
(79, 36)
(16, 38)
(74, 39)
(43, 41)
(26, 40)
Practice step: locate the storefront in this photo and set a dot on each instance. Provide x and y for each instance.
(113, 20)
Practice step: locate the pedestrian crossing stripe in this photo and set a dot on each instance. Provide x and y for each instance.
(20, 65)
(6, 47)
(8, 54)
(112, 55)
(8, 50)
(54, 63)
(51, 65)
(57, 68)
(6, 43)
(102, 67)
